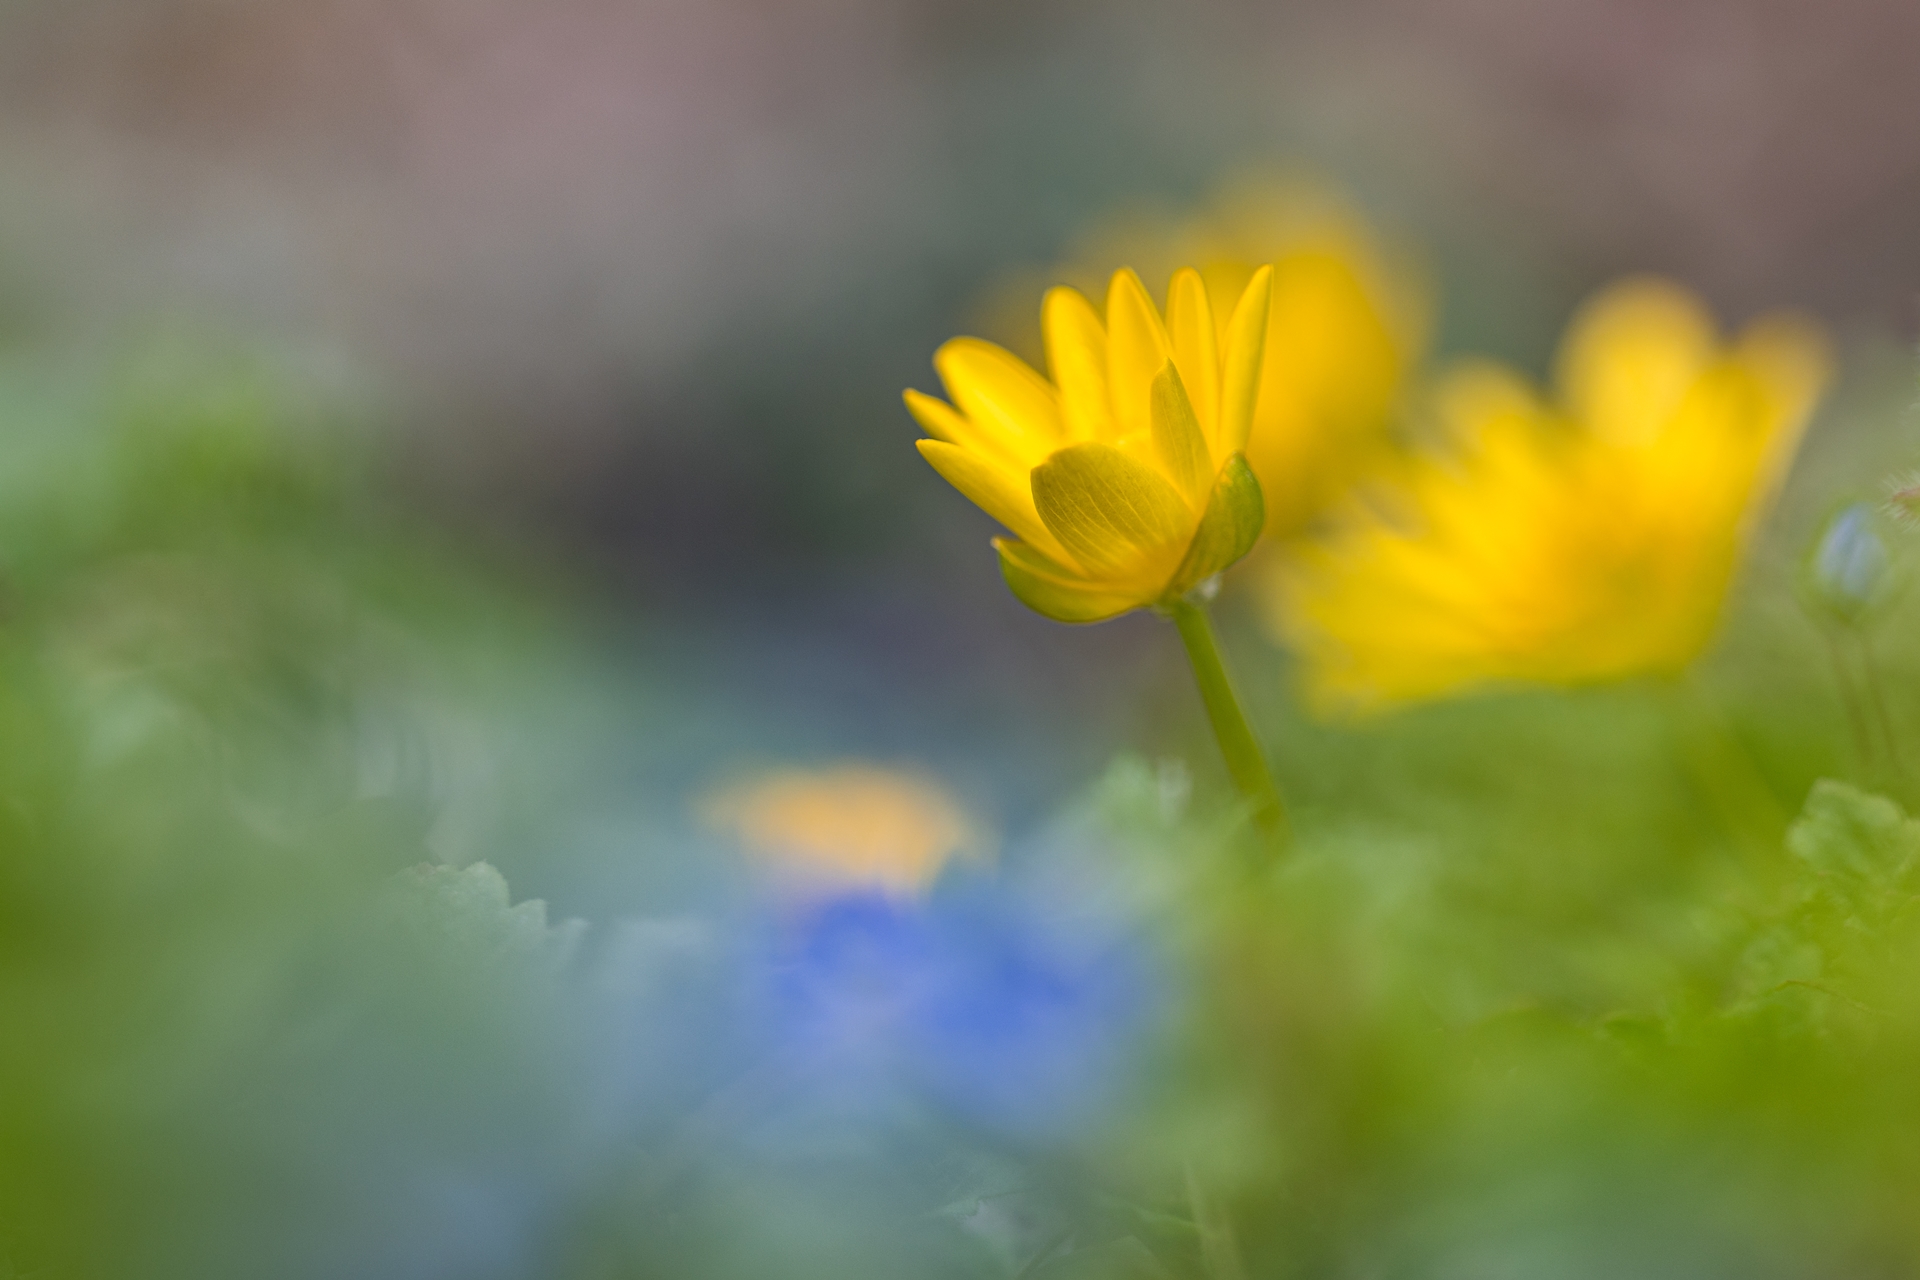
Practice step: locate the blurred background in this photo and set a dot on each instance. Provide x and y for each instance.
(576, 329)
(638, 283)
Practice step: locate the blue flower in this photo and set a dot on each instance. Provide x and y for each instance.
(1850, 562)
(1026, 1025)
(973, 1001)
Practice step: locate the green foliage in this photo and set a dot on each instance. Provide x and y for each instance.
(1853, 893)
(222, 680)
(1551, 984)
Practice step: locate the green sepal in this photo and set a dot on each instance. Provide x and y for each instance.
(1236, 513)
(1053, 591)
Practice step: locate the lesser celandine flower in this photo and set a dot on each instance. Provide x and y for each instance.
(1559, 541)
(1124, 475)
(853, 826)
(1347, 321)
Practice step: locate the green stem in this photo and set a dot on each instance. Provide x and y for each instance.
(1858, 721)
(1879, 707)
(1219, 1250)
(1246, 762)
(1725, 771)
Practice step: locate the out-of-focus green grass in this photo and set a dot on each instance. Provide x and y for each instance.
(227, 676)
(1565, 984)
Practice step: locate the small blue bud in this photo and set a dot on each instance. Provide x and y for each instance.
(1850, 563)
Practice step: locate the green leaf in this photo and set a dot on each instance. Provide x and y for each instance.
(1123, 1259)
(1852, 911)
(1235, 515)
(469, 913)
(1853, 840)
(1052, 591)
(1107, 510)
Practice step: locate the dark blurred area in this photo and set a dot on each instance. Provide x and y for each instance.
(634, 268)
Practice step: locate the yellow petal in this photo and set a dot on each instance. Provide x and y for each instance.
(851, 826)
(1077, 357)
(1176, 436)
(943, 422)
(1002, 396)
(1049, 590)
(1137, 347)
(1789, 355)
(1003, 494)
(1629, 356)
(1196, 347)
(1477, 396)
(1117, 518)
(1561, 544)
(1240, 379)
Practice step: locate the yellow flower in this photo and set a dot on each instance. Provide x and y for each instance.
(851, 826)
(1346, 326)
(1561, 543)
(1124, 475)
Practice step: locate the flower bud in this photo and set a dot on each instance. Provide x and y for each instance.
(1850, 563)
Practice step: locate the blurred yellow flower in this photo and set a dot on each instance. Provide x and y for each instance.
(1560, 543)
(1347, 324)
(850, 826)
(1124, 476)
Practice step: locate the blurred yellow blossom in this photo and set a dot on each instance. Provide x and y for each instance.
(853, 825)
(1564, 542)
(1124, 476)
(1347, 324)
